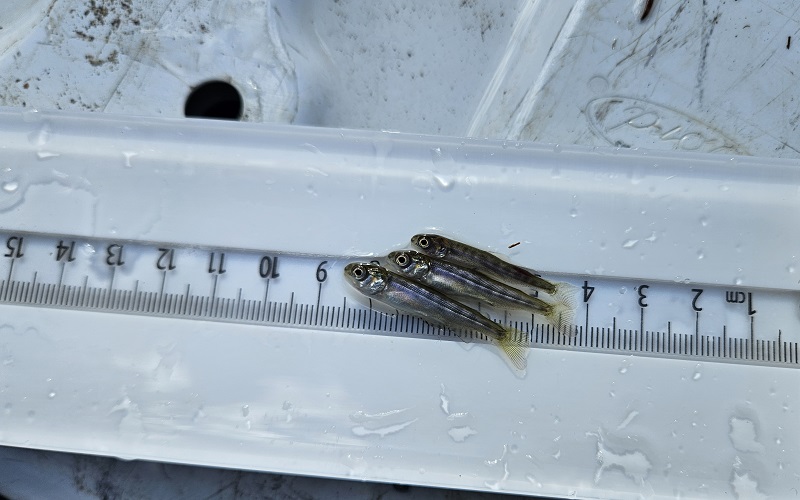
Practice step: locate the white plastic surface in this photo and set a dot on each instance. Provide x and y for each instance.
(708, 76)
(387, 408)
(691, 76)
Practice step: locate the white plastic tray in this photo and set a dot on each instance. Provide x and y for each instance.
(387, 408)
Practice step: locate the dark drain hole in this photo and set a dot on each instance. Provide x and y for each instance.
(214, 99)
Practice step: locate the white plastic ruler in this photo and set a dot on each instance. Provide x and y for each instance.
(173, 290)
(230, 285)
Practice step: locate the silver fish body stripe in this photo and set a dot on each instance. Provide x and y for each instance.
(469, 256)
(452, 279)
(421, 300)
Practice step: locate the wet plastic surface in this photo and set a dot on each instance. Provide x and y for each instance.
(712, 77)
(387, 408)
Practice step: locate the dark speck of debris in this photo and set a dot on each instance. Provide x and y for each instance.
(648, 6)
(788, 42)
(93, 60)
(84, 36)
(203, 28)
(113, 57)
(514, 244)
(26, 85)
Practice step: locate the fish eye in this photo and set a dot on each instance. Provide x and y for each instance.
(401, 260)
(423, 242)
(359, 272)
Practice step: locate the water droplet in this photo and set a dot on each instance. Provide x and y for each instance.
(309, 147)
(445, 403)
(459, 434)
(557, 455)
(10, 186)
(743, 435)
(88, 249)
(697, 373)
(628, 419)
(556, 420)
(744, 486)
(444, 183)
(704, 221)
(653, 237)
(556, 148)
(791, 269)
(514, 448)
(533, 481)
(245, 410)
(724, 187)
(127, 155)
(573, 212)
(738, 281)
(46, 155)
(623, 370)
(700, 255)
(629, 243)
(623, 290)
(51, 394)
(41, 136)
(634, 464)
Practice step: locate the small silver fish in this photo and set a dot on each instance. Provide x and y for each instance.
(460, 282)
(420, 300)
(464, 255)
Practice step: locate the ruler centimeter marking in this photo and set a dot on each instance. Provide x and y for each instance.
(167, 280)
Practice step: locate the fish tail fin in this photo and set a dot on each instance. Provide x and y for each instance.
(562, 310)
(562, 288)
(515, 348)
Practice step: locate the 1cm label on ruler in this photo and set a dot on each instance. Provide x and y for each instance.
(289, 290)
